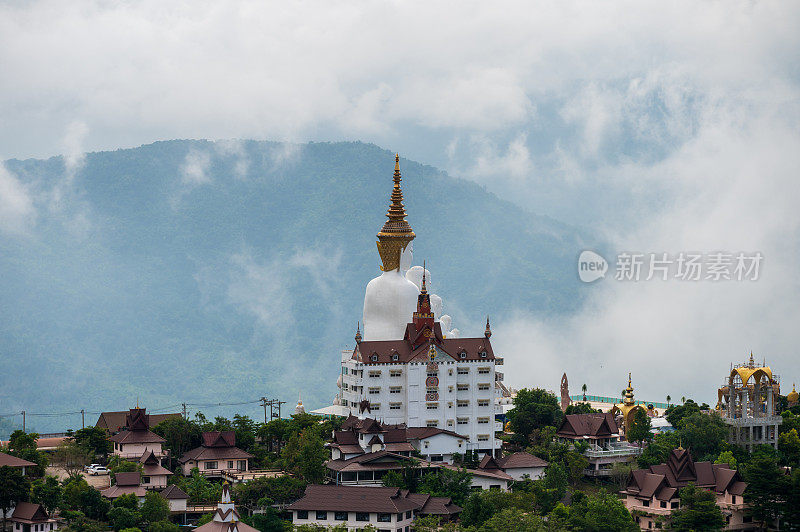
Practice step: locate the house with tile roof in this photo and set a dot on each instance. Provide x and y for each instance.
(15, 462)
(135, 439)
(356, 507)
(124, 484)
(516, 465)
(216, 456)
(115, 422)
(653, 494)
(30, 517)
(602, 434)
(154, 475)
(176, 497)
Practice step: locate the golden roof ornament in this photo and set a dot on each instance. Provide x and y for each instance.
(488, 332)
(396, 233)
(629, 392)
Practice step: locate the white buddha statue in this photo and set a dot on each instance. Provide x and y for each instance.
(391, 298)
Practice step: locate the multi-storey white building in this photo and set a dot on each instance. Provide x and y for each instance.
(406, 368)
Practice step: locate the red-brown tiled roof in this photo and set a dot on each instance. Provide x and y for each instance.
(136, 436)
(173, 492)
(593, 425)
(215, 453)
(333, 498)
(520, 460)
(219, 439)
(115, 421)
(128, 479)
(13, 461)
(28, 512)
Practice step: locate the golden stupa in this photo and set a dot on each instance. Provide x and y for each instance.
(627, 408)
(396, 233)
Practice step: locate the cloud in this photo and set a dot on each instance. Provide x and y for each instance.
(17, 210)
(195, 167)
(731, 187)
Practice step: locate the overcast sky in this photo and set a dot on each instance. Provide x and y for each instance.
(667, 127)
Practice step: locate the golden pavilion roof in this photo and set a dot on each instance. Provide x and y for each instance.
(396, 232)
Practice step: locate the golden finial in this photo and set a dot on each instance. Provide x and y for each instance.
(424, 288)
(752, 362)
(358, 332)
(488, 332)
(396, 232)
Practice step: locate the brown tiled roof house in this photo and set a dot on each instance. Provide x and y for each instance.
(654, 492)
(216, 455)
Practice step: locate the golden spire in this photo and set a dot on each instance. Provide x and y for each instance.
(629, 392)
(424, 289)
(396, 232)
(488, 332)
(358, 332)
(752, 362)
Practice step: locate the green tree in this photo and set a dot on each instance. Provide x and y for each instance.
(676, 413)
(305, 455)
(455, 484)
(767, 487)
(698, 511)
(601, 512)
(246, 430)
(580, 408)
(657, 451)
(154, 508)
(726, 457)
(94, 440)
(639, 430)
(163, 526)
(14, 487)
(199, 488)
(789, 445)
(482, 505)
(513, 519)
(279, 490)
(122, 518)
(620, 474)
(575, 464)
(117, 464)
(93, 505)
(126, 500)
(276, 433)
(47, 492)
(269, 521)
(533, 409)
(23, 445)
(71, 457)
(181, 435)
(704, 434)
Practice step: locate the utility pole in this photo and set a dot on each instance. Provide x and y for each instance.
(83, 419)
(264, 404)
(184, 410)
(23, 421)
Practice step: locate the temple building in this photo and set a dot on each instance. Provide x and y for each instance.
(410, 367)
(627, 408)
(746, 403)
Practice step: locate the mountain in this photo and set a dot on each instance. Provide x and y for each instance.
(218, 272)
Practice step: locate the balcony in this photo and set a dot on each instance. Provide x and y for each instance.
(498, 361)
(613, 450)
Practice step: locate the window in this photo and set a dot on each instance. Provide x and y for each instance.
(322, 516)
(345, 402)
(463, 354)
(483, 354)
(462, 387)
(374, 406)
(302, 514)
(483, 420)
(432, 390)
(395, 389)
(432, 406)
(663, 504)
(344, 371)
(450, 424)
(674, 504)
(362, 516)
(408, 514)
(384, 518)
(432, 423)
(462, 420)
(374, 391)
(483, 371)
(399, 517)
(241, 465)
(483, 402)
(395, 357)
(374, 358)
(462, 403)
(145, 480)
(396, 373)
(437, 458)
(230, 464)
(733, 499)
(463, 371)
(211, 465)
(483, 386)
(394, 406)
(374, 374)
(483, 437)
(433, 374)
(340, 516)
(646, 504)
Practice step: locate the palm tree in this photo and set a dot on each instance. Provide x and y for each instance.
(668, 400)
(583, 388)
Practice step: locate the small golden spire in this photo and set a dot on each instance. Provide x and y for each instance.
(424, 288)
(488, 332)
(358, 332)
(396, 232)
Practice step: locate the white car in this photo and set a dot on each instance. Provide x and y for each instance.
(98, 470)
(90, 467)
